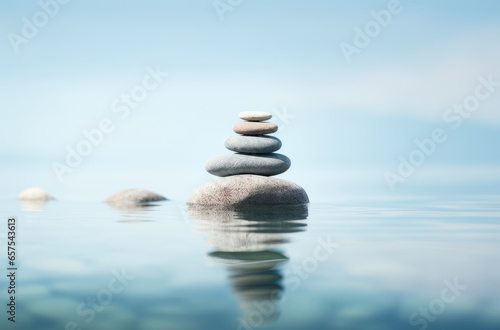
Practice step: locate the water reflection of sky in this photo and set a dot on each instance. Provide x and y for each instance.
(247, 243)
(195, 269)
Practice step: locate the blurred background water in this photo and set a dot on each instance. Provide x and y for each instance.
(356, 265)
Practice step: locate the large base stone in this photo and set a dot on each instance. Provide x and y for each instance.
(249, 190)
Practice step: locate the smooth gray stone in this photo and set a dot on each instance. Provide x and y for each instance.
(260, 144)
(249, 190)
(235, 164)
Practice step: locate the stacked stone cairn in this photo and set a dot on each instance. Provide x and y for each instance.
(246, 174)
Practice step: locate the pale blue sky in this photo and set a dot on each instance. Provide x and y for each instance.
(353, 120)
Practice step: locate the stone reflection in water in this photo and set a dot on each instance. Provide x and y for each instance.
(34, 205)
(134, 212)
(248, 242)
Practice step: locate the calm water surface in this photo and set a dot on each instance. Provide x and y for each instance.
(424, 264)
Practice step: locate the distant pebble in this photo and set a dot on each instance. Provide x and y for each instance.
(134, 196)
(34, 194)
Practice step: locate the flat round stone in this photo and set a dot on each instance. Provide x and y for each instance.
(235, 164)
(249, 190)
(260, 144)
(34, 194)
(134, 196)
(249, 128)
(255, 115)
